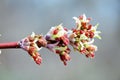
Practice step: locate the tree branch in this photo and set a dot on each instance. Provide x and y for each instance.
(9, 45)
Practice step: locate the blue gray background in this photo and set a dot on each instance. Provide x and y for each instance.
(18, 18)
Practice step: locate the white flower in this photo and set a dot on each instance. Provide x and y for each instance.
(82, 45)
(33, 35)
(61, 32)
(91, 41)
(94, 29)
(76, 19)
(78, 22)
(94, 47)
(85, 19)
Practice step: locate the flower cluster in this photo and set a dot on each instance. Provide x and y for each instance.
(57, 42)
(32, 44)
(83, 36)
(58, 38)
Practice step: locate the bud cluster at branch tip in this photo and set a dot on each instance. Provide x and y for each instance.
(58, 38)
(32, 44)
(80, 38)
(83, 35)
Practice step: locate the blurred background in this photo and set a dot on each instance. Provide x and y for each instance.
(18, 18)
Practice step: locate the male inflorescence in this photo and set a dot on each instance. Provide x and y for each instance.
(81, 38)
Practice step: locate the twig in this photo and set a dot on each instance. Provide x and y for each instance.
(9, 45)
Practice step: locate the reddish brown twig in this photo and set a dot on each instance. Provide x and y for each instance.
(9, 45)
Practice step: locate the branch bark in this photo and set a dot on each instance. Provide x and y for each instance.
(9, 45)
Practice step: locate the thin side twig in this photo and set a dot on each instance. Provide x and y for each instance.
(9, 45)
